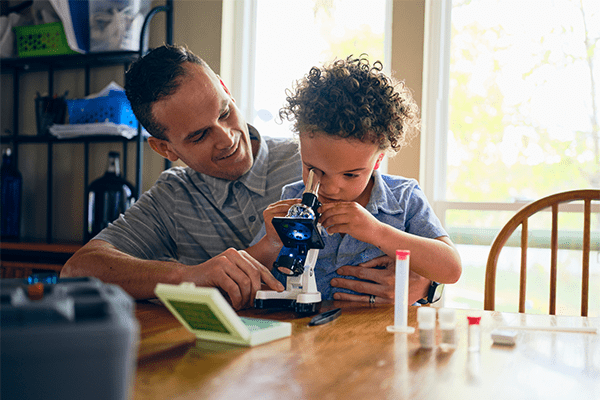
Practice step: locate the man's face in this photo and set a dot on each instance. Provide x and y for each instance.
(204, 127)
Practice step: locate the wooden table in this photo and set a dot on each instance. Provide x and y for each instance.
(354, 357)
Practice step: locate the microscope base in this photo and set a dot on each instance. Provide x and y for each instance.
(300, 308)
(302, 303)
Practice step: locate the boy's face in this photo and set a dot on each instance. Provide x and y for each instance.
(345, 166)
(204, 127)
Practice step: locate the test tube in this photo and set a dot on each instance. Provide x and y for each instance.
(401, 294)
(426, 318)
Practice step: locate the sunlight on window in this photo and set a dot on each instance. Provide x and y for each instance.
(524, 99)
(524, 122)
(293, 36)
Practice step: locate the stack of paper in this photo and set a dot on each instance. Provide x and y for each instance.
(101, 128)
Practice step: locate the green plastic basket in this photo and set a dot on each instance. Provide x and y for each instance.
(42, 40)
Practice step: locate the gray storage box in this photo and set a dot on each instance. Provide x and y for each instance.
(79, 341)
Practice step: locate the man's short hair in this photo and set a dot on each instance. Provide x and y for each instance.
(154, 77)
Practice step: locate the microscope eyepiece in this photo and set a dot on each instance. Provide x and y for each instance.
(313, 182)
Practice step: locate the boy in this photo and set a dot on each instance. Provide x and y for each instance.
(348, 115)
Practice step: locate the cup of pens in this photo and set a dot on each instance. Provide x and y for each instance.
(49, 110)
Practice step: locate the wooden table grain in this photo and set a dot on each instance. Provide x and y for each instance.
(354, 357)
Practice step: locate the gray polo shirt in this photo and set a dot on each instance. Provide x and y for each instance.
(191, 217)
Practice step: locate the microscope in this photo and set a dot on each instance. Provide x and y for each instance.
(300, 233)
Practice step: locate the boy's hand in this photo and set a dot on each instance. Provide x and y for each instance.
(269, 246)
(278, 209)
(350, 218)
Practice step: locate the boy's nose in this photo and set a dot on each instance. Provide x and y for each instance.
(328, 188)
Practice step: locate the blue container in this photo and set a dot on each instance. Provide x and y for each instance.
(113, 108)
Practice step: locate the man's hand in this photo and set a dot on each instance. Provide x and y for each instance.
(236, 273)
(382, 282)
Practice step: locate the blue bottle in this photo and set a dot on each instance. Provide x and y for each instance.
(12, 187)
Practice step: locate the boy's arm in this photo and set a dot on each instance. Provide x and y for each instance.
(435, 259)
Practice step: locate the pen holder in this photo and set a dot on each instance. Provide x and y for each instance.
(48, 111)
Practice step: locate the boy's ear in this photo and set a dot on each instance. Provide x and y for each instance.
(225, 87)
(378, 161)
(163, 148)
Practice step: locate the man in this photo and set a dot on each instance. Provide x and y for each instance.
(194, 222)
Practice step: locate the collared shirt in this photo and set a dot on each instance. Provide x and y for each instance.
(191, 217)
(395, 201)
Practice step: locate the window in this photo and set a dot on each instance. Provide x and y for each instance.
(279, 41)
(512, 113)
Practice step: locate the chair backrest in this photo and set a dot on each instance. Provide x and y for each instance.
(521, 219)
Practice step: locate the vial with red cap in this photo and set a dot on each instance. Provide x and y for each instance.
(474, 333)
(401, 293)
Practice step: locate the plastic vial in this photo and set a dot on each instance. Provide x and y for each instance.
(426, 319)
(401, 293)
(447, 328)
(474, 333)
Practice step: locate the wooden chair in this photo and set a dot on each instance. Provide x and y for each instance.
(521, 218)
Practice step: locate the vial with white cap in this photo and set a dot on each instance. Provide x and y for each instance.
(426, 319)
(447, 320)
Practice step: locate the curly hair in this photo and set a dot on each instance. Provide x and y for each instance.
(154, 77)
(355, 100)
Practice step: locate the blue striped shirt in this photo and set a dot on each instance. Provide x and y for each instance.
(191, 217)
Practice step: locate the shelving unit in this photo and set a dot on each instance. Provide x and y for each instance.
(51, 64)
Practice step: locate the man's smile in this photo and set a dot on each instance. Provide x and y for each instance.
(230, 152)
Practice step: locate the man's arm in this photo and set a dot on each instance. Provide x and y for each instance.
(379, 279)
(236, 273)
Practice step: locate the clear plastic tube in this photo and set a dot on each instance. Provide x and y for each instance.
(401, 294)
